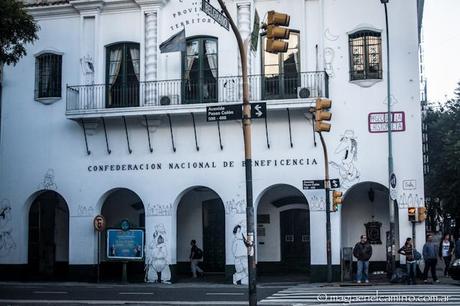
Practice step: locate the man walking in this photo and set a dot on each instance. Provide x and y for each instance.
(363, 252)
(457, 247)
(196, 254)
(430, 257)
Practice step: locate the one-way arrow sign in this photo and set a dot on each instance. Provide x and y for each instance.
(258, 110)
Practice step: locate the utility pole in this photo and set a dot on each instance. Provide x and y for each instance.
(328, 209)
(390, 149)
(247, 158)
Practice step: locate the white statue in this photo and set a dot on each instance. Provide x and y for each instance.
(240, 253)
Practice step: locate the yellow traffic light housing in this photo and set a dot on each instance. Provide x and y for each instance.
(336, 199)
(276, 34)
(321, 114)
(411, 214)
(421, 214)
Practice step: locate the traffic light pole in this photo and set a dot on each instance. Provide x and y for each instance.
(248, 159)
(328, 209)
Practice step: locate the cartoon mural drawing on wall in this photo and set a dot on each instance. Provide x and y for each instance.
(316, 203)
(48, 181)
(235, 207)
(410, 200)
(348, 153)
(329, 55)
(7, 243)
(239, 250)
(85, 211)
(330, 36)
(159, 209)
(156, 264)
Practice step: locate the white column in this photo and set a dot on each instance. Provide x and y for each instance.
(244, 25)
(151, 55)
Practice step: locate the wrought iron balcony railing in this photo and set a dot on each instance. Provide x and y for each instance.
(156, 94)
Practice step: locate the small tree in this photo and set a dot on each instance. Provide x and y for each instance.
(17, 28)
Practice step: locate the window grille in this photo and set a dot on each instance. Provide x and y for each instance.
(365, 55)
(48, 75)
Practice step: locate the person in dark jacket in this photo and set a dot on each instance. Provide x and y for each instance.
(457, 247)
(195, 256)
(363, 252)
(446, 247)
(430, 251)
(408, 251)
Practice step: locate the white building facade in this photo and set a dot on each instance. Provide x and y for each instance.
(95, 120)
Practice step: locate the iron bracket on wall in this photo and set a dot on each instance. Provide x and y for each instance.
(194, 129)
(172, 135)
(220, 137)
(127, 135)
(290, 130)
(106, 138)
(148, 133)
(86, 138)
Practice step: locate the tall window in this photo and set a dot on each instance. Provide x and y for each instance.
(122, 75)
(281, 72)
(200, 70)
(48, 75)
(365, 55)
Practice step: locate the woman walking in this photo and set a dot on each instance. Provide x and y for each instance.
(408, 251)
(446, 248)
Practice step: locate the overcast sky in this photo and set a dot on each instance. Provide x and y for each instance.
(441, 27)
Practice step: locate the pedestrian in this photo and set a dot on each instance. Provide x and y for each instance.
(446, 247)
(408, 251)
(457, 247)
(431, 258)
(363, 252)
(196, 254)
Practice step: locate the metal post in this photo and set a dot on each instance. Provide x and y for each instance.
(248, 159)
(390, 148)
(98, 256)
(328, 209)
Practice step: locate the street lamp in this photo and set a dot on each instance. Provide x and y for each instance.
(390, 147)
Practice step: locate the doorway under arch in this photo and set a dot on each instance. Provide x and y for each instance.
(48, 243)
(118, 205)
(283, 231)
(201, 217)
(365, 211)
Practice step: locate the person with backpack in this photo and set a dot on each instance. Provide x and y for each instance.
(196, 254)
(408, 251)
(363, 252)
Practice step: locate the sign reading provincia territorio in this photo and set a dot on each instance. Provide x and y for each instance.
(184, 165)
(378, 122)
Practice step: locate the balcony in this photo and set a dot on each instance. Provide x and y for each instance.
(186, 96)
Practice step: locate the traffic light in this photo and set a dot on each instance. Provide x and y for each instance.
(411, 214)
(336, 199)
(421, 214)
(275, 32)
(321, 113)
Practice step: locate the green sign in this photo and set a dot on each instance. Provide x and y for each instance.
(255, 32)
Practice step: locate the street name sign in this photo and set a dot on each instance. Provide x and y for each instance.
(224, 112)
(313, 184)
(215, 14)
(258, 110)
(319, 184)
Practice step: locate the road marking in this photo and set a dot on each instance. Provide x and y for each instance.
(224, 293)
(50, 292)
(136, 293)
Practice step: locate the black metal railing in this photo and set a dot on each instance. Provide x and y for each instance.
(87, 98)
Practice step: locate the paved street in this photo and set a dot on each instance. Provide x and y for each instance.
(215, 294)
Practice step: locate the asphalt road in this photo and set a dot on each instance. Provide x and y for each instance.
(215, 294)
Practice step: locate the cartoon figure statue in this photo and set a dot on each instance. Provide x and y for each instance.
(157, 268)
(240, 253)
(348, 148)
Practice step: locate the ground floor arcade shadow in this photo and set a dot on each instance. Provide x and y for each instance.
(201, 217)
(365, 211)
(118, 205)
(283, 233)
(48, 237)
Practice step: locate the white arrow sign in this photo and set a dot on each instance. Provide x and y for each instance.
(258, 112)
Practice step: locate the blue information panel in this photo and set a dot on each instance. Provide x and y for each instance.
(127, 245)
